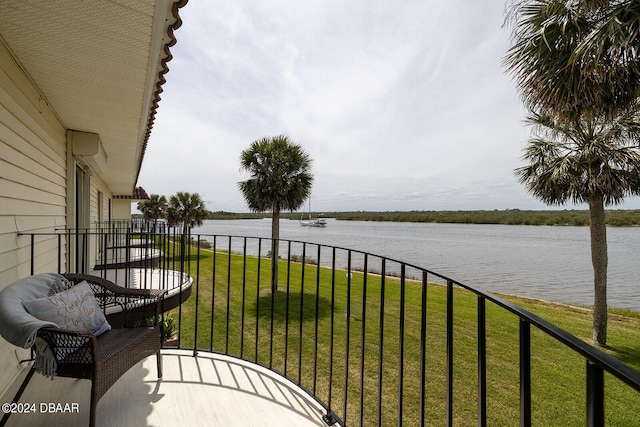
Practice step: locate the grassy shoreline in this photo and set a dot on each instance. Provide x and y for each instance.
(558, 390)
(614, 218)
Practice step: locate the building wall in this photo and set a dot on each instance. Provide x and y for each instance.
(32, 183)
(33, 172)
(122, 209)
(37, 189)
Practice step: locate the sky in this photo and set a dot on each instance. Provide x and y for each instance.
(400, 105)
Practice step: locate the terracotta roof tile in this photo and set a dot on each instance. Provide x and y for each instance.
(138, 194)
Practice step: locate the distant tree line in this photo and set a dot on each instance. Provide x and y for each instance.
(614, 218)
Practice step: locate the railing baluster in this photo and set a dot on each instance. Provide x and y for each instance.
(482, 362)
(127, 263)
(423, 349)
(69, 256)
(317, 323)
(595, 395)
(226, 343)
(59, 236)
(105, 250)
(213, 291)
(383, 275)
(189, 250)
(149, 259)
(286, 316)
(197, 283)
(258, 299)
(301, 315)
(401, 345)
(347, 341)
(333, 300)
(181, 250)
(525, 373)
(244, 291)
(449, 353)
(363, 335)
(33, 254)
(272, 313)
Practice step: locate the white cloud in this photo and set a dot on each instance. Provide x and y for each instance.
(400, 105)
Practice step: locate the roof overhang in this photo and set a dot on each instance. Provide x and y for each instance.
(138, 195)
(100, 65)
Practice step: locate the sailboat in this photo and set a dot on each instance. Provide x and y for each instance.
(312, 222)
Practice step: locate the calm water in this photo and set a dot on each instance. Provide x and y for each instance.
(552, 263)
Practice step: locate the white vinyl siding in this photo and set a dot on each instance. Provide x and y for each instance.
(32, 184)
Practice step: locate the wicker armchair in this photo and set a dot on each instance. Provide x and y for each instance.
(135, 335)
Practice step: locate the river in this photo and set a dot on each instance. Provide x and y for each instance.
(546, 262)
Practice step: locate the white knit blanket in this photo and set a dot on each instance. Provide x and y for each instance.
(19, 327)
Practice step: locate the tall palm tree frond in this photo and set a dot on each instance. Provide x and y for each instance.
(579, 58)
(280, 174)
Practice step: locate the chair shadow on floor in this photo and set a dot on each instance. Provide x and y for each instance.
(66, 401)
(209, 389)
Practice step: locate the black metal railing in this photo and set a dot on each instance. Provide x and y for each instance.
(119, 253)
(378, 341)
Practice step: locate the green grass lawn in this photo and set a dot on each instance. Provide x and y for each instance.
(242, 302)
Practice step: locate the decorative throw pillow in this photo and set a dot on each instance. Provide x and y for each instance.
(75, 309)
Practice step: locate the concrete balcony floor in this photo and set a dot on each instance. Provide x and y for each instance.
(207, 390)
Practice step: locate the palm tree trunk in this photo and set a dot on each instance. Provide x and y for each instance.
(275, 244)
(599, 260)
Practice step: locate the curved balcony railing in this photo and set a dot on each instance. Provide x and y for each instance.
(377, 341)
(128, 258)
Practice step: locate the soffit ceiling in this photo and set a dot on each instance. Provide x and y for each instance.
(100, 65)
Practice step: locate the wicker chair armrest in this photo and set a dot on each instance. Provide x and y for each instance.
(70, 346)
(65, 332)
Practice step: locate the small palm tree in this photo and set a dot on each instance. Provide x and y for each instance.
(585, 162)
(153, 209)
(186, 209)
(280, 180)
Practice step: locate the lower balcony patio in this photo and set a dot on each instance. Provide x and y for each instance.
(177, 285)
(208, 389)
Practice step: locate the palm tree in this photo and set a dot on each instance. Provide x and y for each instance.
(280, 180)
(612, 51)
(153, 208)
(585, 162)
(580, 58)
(576, 67)
(186, 209)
